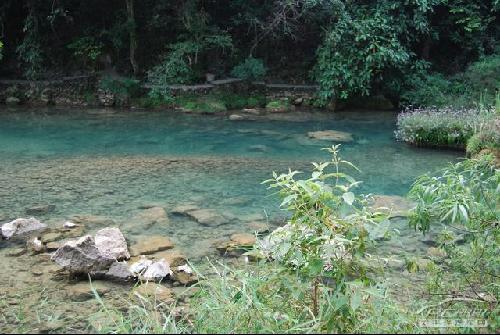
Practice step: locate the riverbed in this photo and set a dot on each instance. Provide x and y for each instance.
(112, 164)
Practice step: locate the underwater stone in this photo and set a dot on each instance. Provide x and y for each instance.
(331, 135)
(151, 244)
(40, 210)
(21, 226)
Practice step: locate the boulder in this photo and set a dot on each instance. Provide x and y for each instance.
(150, 245)
(111, 243)
(237, 244)
(395, 205)
(236, 117)
(82, 256)
(40, 209)
(21, 226)
(157, 271)
(331, 135)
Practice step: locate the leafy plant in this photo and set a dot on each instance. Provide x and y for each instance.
(329, 227)
(123, 89)
(30, 50)
(250, 69)
(87, 49)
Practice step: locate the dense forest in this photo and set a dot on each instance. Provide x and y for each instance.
(348, 47)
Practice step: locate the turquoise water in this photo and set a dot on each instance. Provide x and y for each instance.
(112, 163)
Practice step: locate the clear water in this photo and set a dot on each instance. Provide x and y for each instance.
(111, 162)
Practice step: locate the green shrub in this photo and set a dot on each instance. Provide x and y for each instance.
(281, 105)
(486, 138)
(463, 199)
(197, 104)
(250, 69)
(86, 50)
(461, 90)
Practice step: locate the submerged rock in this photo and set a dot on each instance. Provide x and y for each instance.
(185, 275)
(35, 245)
(155, 292)
(173, 257)
(82, 256)
(40, 209)
(395, 205)
(93, 220)
(237, 244)
(183, 209)
(150, 245)
(111, 243)
(207, 217)
(331, 135)
(21, 226)
(153, 215)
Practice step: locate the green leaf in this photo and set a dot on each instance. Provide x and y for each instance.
(348, 197)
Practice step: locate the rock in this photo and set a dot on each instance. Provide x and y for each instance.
(35, 245)
(150, 245)
(396, 206)
(119, 271)
(259, 227)
(12, 101)
(111, 243)
(50, 237)
(152, 216)
(436, 253)
(251, 217)
(83, 291)
(137, 268)
(258, 148)
(207, 217)
(156, 292)
(70, 225)
(93, 220)
(157, 271)
(183, 209)
(82, 256)
(185, 275)
(298, 101)
(21, 226)
(51, 246)
(173, 257)
(16, 252)
(331, 135)
(40, 209)
(237, 244)
(253, 111)
(236, 117)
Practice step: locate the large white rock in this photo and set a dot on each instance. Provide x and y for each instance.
(82, 256)
(21, 226)
(112, 244)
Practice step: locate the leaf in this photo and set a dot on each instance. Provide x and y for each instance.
(315, 267)
(356, 300)
(348, 197)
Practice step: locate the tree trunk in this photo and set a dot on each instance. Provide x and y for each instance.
(132, 35)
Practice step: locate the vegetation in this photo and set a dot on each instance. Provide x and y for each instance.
(464, 200)
(384, 47)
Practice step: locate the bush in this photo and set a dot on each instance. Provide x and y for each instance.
(282, 105)
(463, 197)
(250, 69)
(446, 127)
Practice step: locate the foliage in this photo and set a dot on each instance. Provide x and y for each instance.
(464, 199)
(123, 89)
(447, 127)
(1, 50)
(358, 48)
(30, 51)
(250, 69)
(86, 50)
(459, 90)
(281, 105)
(205, 105)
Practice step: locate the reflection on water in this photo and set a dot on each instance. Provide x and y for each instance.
(113, 163)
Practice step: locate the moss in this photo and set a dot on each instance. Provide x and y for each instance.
(282, 105)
